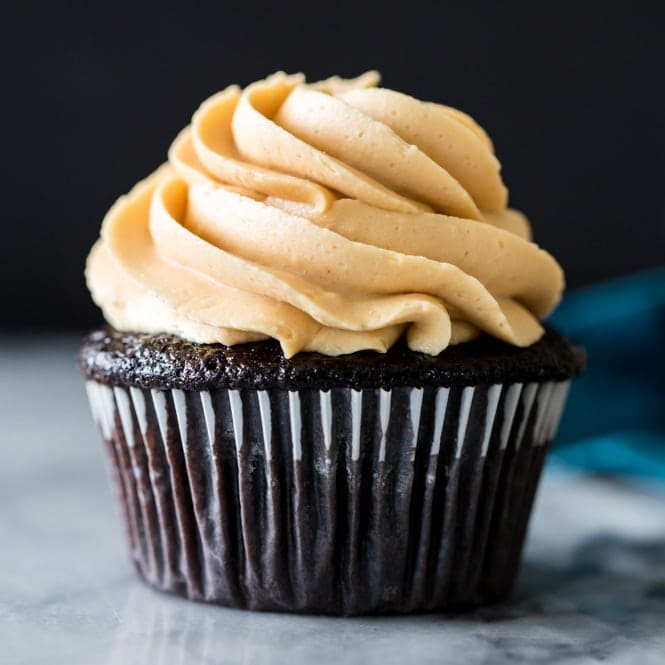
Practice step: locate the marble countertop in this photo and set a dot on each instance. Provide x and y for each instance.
(592, 587)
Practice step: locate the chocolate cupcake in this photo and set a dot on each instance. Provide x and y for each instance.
(325, 387)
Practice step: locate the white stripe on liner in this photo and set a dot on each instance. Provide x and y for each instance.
(356, 407)
(125, 410)
(296, 424)
(105, 394)
(236, 416)
(385, 397)
(555, 399)
(159, 402)
(96, 408)
(415, 407)
(181, 415)
(440, 406)
(544, 405)
(208, 415)
(509, 408)
(266, 420)
(462, 423)
(557, 410)
(90, 389)
(528, 394)
(138, 400)
(325, 397)
(493, 395)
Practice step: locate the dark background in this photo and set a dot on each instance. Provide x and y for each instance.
(94, 93)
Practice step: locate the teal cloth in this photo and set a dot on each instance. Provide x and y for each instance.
(615, 417)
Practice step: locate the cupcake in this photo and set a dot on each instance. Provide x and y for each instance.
(324, 385)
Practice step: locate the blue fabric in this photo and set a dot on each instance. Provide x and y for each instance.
(615, 416)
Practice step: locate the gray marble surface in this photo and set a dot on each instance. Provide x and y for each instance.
(592, 587)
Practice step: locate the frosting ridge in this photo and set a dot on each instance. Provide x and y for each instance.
(333, 217)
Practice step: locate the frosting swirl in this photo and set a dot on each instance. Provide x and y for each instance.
(333, 217)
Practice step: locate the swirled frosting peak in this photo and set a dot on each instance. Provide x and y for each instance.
(333, 216)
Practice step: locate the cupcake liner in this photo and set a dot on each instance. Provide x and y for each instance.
(334, 502)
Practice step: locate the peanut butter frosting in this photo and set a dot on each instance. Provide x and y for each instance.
(332, 216)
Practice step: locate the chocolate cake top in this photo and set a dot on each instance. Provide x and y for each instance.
(166, 361)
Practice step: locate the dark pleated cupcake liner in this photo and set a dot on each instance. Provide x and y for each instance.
(338, 502)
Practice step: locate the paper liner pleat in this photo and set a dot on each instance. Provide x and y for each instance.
(337, 502)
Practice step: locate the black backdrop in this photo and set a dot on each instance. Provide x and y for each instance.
(94, 93)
